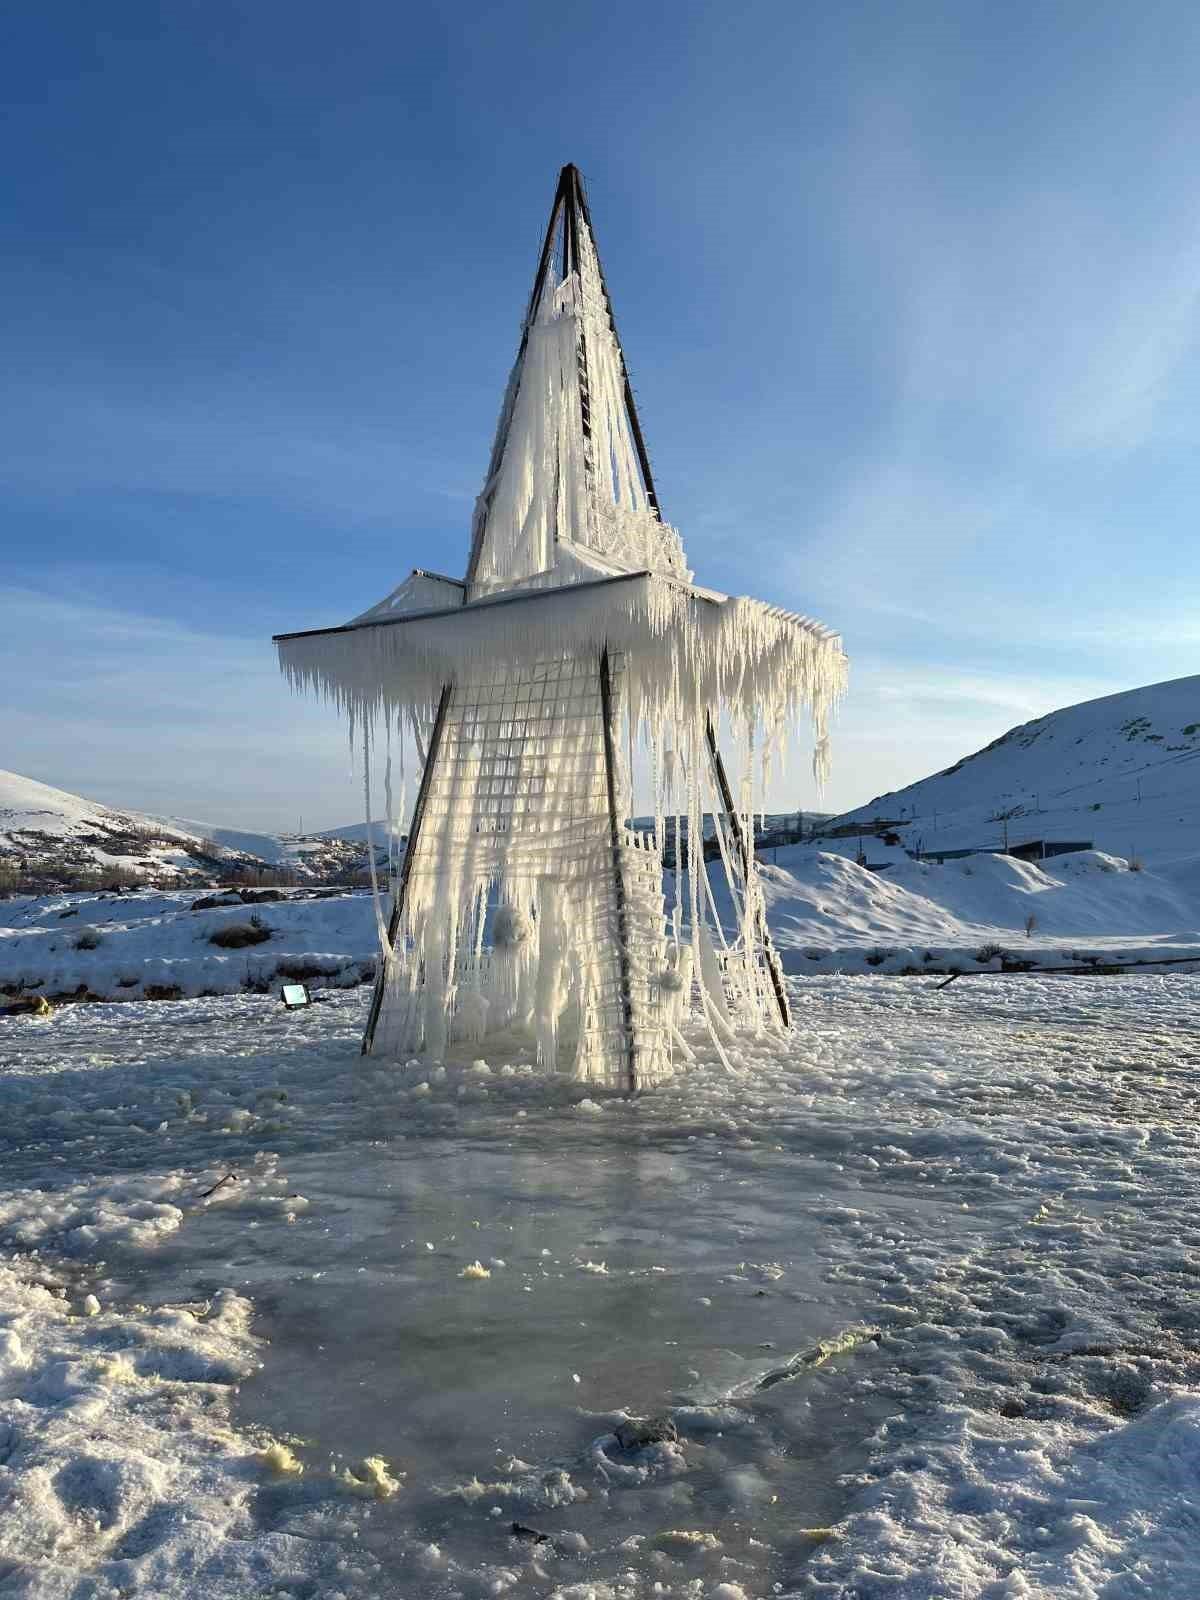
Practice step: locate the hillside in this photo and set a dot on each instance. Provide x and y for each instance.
(51, 838)
(1121, 772)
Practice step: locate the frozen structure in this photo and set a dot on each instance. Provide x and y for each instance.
(527, 905)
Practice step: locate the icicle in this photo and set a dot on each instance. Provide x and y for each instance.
(385, 947)
(389, 815)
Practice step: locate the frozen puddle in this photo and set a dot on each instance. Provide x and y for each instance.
(637, 1264)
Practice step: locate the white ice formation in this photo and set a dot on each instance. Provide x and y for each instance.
(527, 906)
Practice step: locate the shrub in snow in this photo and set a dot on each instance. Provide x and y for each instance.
(87, 939)
(988, 952)
(237, 935)
(302, 969)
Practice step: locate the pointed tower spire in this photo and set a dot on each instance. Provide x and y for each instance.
(569, 482)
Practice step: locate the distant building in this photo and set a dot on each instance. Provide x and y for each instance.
(1043, 849)
(1029, 850)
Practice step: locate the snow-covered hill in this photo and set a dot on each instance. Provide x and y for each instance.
(51, 837)
(1122, 772)
(46, 833)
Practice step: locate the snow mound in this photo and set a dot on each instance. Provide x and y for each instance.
(826, 912)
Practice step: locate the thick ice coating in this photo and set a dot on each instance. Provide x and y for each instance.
(527, 904)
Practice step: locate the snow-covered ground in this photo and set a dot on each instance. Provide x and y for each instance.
(918, 1298)
(827, 915)
(154, 944)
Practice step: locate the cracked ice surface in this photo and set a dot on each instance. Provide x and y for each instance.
(955, 1230)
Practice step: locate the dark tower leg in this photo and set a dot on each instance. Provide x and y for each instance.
(745, 850)
(615, 825)
(396, 919)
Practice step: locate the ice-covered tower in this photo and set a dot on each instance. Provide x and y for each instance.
(528, 905)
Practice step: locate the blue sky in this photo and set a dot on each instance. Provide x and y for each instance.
(909, 293)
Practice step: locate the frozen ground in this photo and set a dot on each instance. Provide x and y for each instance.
(919, 1297)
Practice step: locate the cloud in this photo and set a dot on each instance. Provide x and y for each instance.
(1038, 326)
(1032, 296)
(143, 712)
(903, 721)
(76, 435)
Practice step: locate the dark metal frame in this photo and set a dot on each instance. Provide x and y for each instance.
(510, 395)
(414, 833)
(635, 422)
(570, 199)
(615, 827)
(513, 598)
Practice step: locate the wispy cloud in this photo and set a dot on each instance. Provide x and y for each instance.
(1032, 300)
(76, 436)
(142, 712)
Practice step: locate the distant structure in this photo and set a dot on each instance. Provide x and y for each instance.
(526, 905)
(1029, 850)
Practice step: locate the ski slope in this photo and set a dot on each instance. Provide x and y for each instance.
(44, 826)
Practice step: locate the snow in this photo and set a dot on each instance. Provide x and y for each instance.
(826, 913)
(138, 945)
(40, 824)
(51, 834)
(829, 914)
(917, 1296)
(1120, 771)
